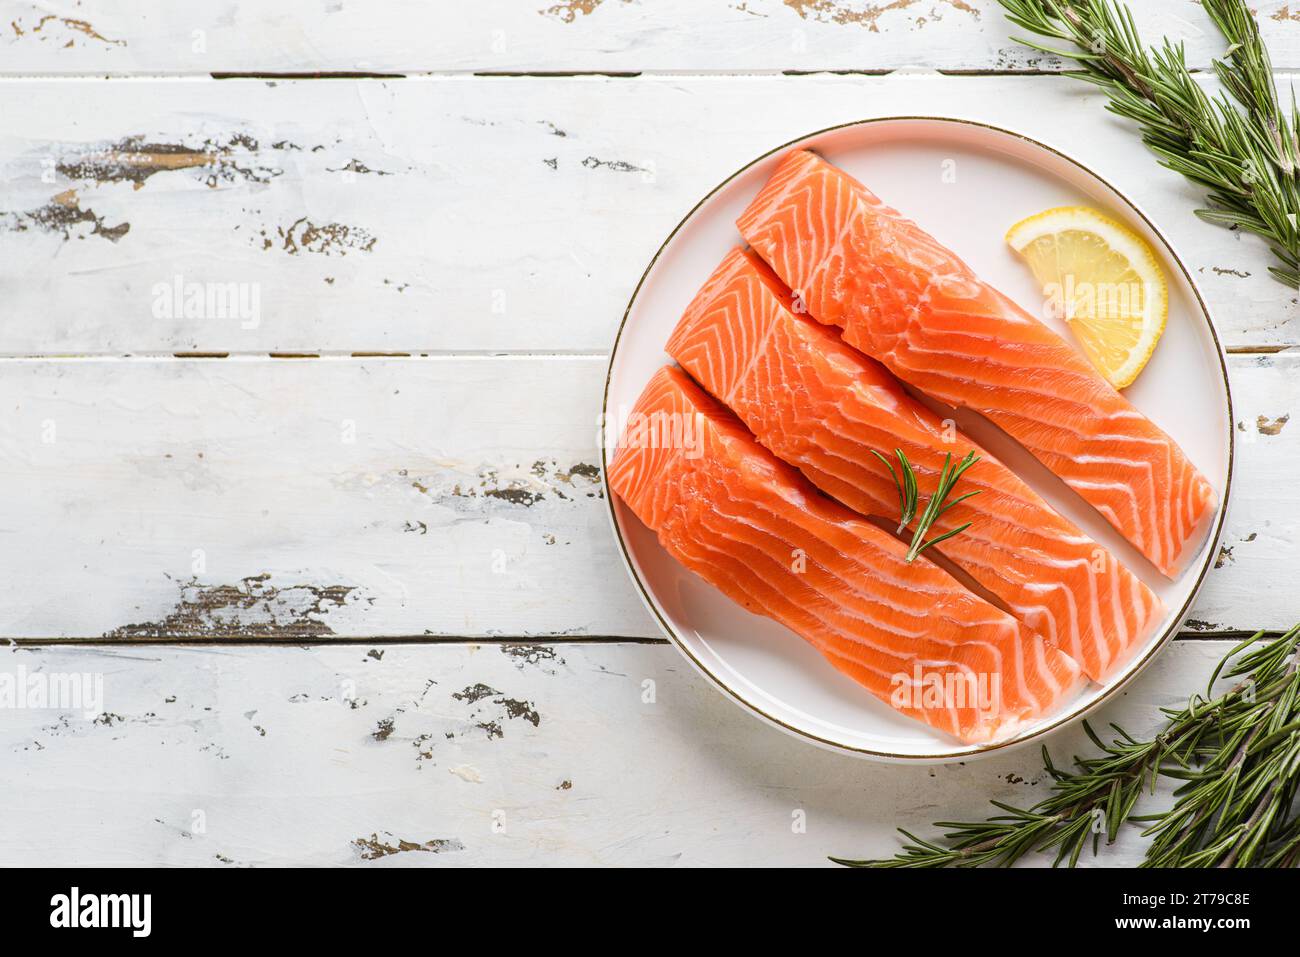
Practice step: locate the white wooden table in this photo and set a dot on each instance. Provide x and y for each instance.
(339, 551)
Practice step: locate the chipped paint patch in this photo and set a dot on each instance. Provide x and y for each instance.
(541, 656)
(423, 749)
(1285, 13)
(583, 470)
(373, 847)
(70, 726)
(519, 485)
(43, 30)
(132, 162)
(618, 166)
(1022, 58)
(1267, 426)
(358, 167)
(252, 609)
(515, 496)
(964, 7)
(520, 709)
(474, 693)
(866, 15)
(491, 721)
(304, 236)
(63, 215)
(569, 10)
(134, 159)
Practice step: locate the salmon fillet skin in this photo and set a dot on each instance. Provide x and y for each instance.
(902, 298)
(757, 530)
(822, 406)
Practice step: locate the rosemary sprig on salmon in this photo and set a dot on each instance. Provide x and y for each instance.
(937, 504)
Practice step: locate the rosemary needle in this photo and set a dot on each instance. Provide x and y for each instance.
(905, 483)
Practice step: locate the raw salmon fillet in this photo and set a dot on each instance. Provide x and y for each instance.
(904, 299)
(822, 406)
(753, 527)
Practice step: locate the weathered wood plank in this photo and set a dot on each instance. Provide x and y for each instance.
(1262, 537)
(404, 36)
(243, 498)
(425, 755)
(452, 214)
(283, 498)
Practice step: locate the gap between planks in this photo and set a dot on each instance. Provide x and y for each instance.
(324, 355)
(200, 641)
(269, 640)
(415, 354)
(417, 75)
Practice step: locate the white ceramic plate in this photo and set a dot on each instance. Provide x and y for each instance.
(966, 183)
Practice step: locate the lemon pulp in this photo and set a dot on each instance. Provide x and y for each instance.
(1103, 280)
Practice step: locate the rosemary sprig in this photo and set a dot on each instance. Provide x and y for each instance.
(1240, 145)
(1238, 754)
(935, 507)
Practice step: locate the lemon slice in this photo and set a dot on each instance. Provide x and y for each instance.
(1103, 280)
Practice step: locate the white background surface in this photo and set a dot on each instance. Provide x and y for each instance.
(400, 452)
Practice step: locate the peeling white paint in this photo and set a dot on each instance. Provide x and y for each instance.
(546, 266)
(152, 36)
(603, 779)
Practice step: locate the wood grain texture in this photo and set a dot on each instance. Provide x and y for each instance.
(459, 755)
(409, 36)
(293, 498)
(370, 215)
